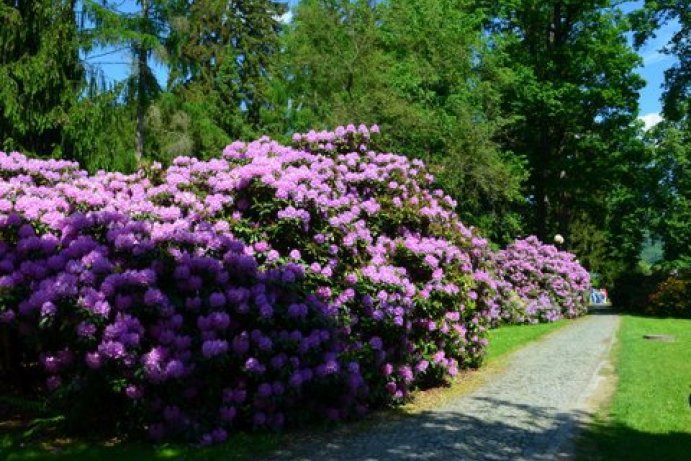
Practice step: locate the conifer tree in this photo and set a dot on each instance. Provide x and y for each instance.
(142, 32)
(225, 50)
(40, 73)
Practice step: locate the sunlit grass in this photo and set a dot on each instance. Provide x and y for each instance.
(508, 338)
(649, 417)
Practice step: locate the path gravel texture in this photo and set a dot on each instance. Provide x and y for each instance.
(529, 411)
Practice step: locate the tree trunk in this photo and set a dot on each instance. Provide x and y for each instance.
(541, 176)
(142, 70)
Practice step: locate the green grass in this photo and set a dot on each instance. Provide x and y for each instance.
(508, 338)
(649, 417)
(242, 447)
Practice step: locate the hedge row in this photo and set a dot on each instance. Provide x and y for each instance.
(271, 285)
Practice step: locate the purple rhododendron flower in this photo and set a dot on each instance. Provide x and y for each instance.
(213, 348)
(217, 294)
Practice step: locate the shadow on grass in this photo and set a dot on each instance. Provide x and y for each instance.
(28, 434)
(240, 447)
(605, 442)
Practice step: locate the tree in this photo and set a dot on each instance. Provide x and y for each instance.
(142, 32)
(98, 132)
(419, 69)
(677, 86)
(225, 51)
(574, 99)
(40, 73)
(669, 141)
(671, 167)
(450, 85)
(333, 60)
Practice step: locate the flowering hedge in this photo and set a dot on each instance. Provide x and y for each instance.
(269, 285)
(538, 283)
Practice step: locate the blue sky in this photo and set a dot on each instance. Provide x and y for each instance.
(116, 66)
(654, 65)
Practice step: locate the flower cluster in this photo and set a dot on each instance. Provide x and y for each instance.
(253, 290)
(539, 283)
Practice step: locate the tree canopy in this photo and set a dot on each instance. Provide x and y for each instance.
(525, 110)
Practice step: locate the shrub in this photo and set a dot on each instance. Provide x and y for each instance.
(539, 283)
(632, 289)
(270, 285)
(672, 297)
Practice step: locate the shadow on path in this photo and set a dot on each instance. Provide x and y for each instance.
(534, 433)
(524, 432)
(530, 411)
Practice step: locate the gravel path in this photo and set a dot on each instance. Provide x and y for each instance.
(529, 411)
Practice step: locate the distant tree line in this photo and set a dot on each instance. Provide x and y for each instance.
(525, 109)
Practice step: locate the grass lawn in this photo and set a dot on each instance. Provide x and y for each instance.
(511, 337)
(242, 446)
(649, 417)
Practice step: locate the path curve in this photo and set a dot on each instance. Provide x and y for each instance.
(529, 411)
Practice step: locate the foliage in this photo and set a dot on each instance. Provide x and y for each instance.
(574, 99)
(40, 73)
(420, 69)
(539, 283)
(268, 286)
(664, 291)
(677, 86)
(524, 111)
(179, 125)
(332, 49)
(142, 33)
(672, 297)
(225, 49)
(98, 134)
(631, 289)
(671, 170)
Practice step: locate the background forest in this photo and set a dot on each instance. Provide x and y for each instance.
(527, 110)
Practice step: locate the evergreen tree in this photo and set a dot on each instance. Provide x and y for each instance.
(223, 51)
(40, 73)
(98, 132)
(142, 32)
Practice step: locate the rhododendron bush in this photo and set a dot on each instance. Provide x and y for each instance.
(269, 285)
(539, 283)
